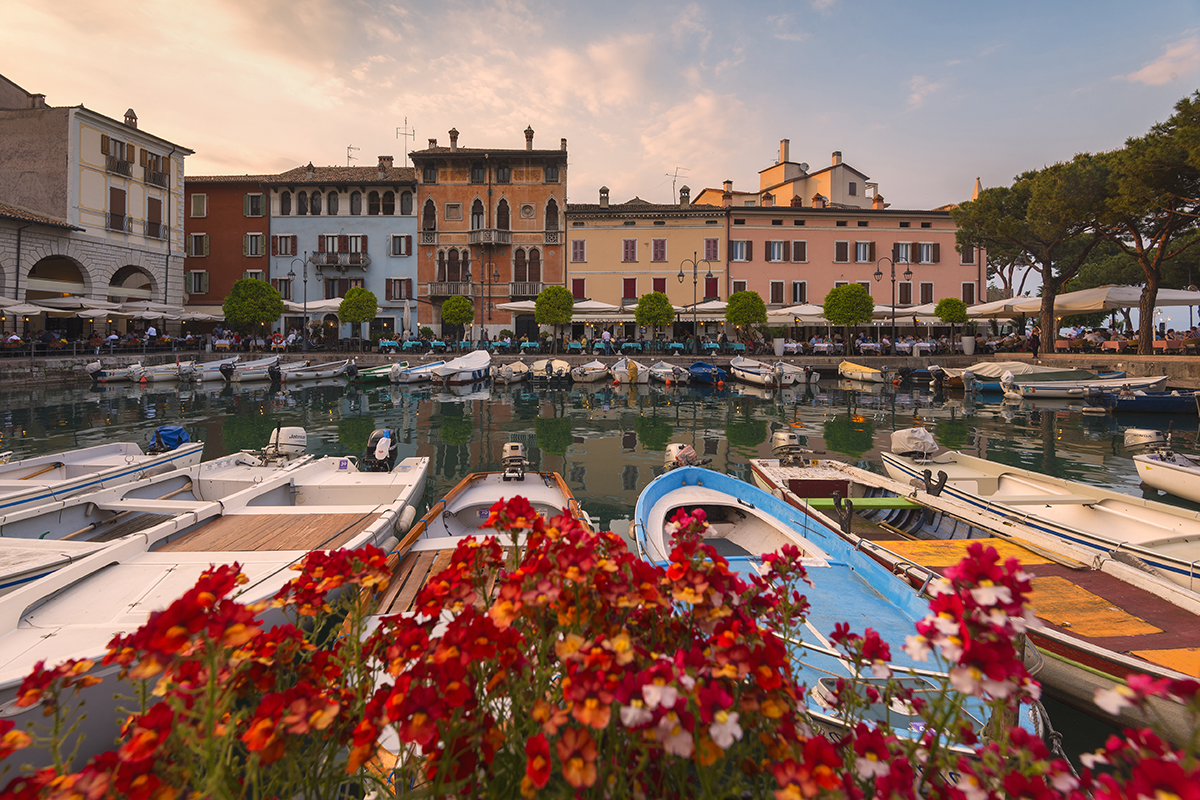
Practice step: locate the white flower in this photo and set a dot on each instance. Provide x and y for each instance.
(1064, 782)
(946, 624)
(967, 680)
(880, 669)
(656, 695)
(972, 790)
(635, 715)
(1113, 700)
(917, 648)
(1090, 760)
(688, 682)
(998, 689)
(988, 594)
(675, 739)
(725, 729)
(940, 586)
(951, 648)
(870, 766)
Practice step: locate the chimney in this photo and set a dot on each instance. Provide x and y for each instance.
(130, 118)
(768, 200)
(877, 203)
(37, 101)
(604, 197)
(685, 196)
(385, 163)
(564, 145)
(727, 195)
(797, 201)
(837, 157)
(818, 201)
(454, 138)
(978, 189)
(433, 142)
(311, 171)
(783, 150)
(528, 137)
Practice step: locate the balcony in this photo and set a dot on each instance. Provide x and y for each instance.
(553, 237)
(118, 222)
(450, 289)
(629, 301)
(118, 166)
(490, 236)
(341, 261)
(428, 237)
(525, 288)
(155, 178)
(156, 230)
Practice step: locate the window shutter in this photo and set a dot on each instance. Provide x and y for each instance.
(841, 251)
(871, 252)
(143, 157)
(130, 150)
(387, 289)
(937, 252)
(320, 244)
(343, 243)
(246, 244)
(206, 253)
(203, 283)
(896, 252)
(968, 254)
(800, 251)
(166, 165)
(105, 143)
(408, 289)
(364, 242)
(274, 245)
(749, 251)
(787, 251)
(408, 245)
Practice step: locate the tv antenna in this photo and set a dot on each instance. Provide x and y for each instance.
(349, 148)
(674, 176)
(407, 134)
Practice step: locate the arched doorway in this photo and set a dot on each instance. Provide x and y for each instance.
(131, 284)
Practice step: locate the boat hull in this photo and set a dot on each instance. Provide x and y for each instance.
(1173, 474)
(1080, 389)
(856, 372)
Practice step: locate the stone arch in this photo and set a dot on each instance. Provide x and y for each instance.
(131, 283)
(55, 276)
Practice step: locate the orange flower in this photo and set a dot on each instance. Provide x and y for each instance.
(537, 760)
(577, 752)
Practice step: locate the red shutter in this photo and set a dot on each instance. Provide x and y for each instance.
(660, 285)
(295, 244)
(937, 253)
(749, 251)
(896, 252)
(629, 288)
(787, 251)
(387, 289)
(320, 244)
(710, 287)
(710, 250)
(800, 251)
(363, 239)
(274, 245)
(408, 245)
(577, 288)
(343, 243)
(841, 251)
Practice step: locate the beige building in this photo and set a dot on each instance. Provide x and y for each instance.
(117, 190)
(792, 183)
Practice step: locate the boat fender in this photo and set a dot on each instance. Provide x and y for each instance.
(1016, 397)
(405, 520)
(387, 544)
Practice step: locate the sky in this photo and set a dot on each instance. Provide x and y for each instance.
(923, 97)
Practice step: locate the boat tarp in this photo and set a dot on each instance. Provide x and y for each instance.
(996, 369)
(476, 359)
(913, 440)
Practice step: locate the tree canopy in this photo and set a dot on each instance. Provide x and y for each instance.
(850, 304)
(654, 309)
(951, 310)
(252, 302)
(458, 311)
(746, 308)
(358, 306)
(554, 306)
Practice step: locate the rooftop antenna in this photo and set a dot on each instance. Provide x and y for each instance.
(674, 176)
(350, 147)
(408, 134)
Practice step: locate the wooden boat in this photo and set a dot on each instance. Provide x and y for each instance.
(473, 367)
(802, 375)
(1102, 521)
(237, 371)
(414, 374)
(211, 370)
(550, 370)
(161, 373)
(591, 372)
(377, 374)
(748, 370)
(1174, 402)
(1162, 467)
(513, 372)
(670, 373)
(703, 372)
(35, 481)
(1080, 388)
(626, 370)
(127, 374)
(857, 372)
(316, 372)
(74, 612)
(1102, 620)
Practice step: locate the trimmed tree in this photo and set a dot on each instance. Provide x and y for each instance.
(358, 306)
(251, 304)
(458, 311)
(554, 306)
(654, 309)
(745, 309)
(848, 305)
(952, 311)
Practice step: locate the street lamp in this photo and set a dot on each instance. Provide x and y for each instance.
(695, 280)
(292, 275)
(879, 276)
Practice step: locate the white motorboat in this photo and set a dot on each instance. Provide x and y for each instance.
(162, 373)
(418, 373)
(1080, 388)
(315, 372)
(590, 372)
(802, 375)
(858, 372)
(1162, 467)
(1102, 521)
(473, 367)
(986, 376)
(131, 373)
(670, 373)
(43, 479)
(550, 369)
(211, 370)
(266, 527)
(748, 370)
(626, 370)
(513, 372)
(249, 371)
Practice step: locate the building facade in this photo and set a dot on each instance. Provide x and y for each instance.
(117, 189)
(490, 229)
(227, 228)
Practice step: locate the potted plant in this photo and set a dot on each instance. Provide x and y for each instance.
(953, 311)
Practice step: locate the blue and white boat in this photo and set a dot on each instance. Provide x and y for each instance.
(985, 377)
(703, 372)
(473, 367)
(418, 373)
(1174, 402)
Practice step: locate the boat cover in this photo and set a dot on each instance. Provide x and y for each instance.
(475, 360)
(912, 441)
(168, 437)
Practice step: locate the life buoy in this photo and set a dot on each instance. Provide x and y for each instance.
(277, 338)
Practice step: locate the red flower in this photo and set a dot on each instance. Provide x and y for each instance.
(577, 752)
(146, 734)
(11, 739)
(537, 760)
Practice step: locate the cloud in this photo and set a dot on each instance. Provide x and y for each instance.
(690, 23)
(921, 88)
(784, 29)
(1180, 60)
(823, 6)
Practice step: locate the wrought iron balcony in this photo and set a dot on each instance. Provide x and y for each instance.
(155, 178)
(525, 288)
(340, 260)
(118, 222)
(156, 230)
(450, 289)
(118, 165)
(492, 236)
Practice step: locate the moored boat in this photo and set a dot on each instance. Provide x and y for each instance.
(473, 367)
(626, 370)
(211, 370)
(670, 373)
(703, 372)
(377, 374)
(316, 372)
(858, 372)
(550, 370)
(985, 376)
(1080, 388)
(161, 373)
(131, 373)
(748, 370)
(256, 370)
(417, 373)
(1140, 402)
(590, 372)
(512, 372)
(1163, 467)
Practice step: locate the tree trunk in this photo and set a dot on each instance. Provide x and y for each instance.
(1146, 310)
(1046, 320)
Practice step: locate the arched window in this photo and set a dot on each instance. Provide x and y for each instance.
(373, 204)
(502, 215)
(519, 266)
(314, 203)
(535, 266)
(389, 204)
(302, 204)
(406, 207)
(551, 216)
(476, 215)
(356, 203)
(466, 265)
(285, 203)
(441, 266)
(429, 217)
(332, 205)
(452, 267)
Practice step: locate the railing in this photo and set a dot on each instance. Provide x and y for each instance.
(428, 237)
(156, 230)
(490, 236)
(450, 289)
(629, 301)
(552, 237)
(118, 222)
(155, 178)
(341, 260)
(525, 288)
(119, 166)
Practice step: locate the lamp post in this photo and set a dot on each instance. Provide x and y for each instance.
(695, 281)
(292, 275)
(879, 276)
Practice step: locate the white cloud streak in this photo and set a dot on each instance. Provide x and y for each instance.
(1180, 59)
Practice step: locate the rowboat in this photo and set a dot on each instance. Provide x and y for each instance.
(473, 367)
(703, 372)
(1103, 522)
(590, 372)
(805, 375)
(256, 370)
(626, 370)
(857, 372)
(43, 479)
(315, 372)
(1174, 402)
(1162, 467)
(180, 371)
(513, 372)
(1080, 388)
(377, 374)
(127, 374)
(414, 374)
(211, 370)
(267, 527)
(550, 370)
(985, 376)
(670, 373)
(1102, 620)
(748, 370)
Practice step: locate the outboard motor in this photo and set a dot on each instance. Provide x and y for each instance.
(915, 443)
(968, 379)
(352, 370)
(938, 376)
(1137, 439)
(1096, 401)
(514, 461)
(785, 445)
(394, 373)
(94, 369)
(381, 451)
(275, 373)
(166, 438)
(227, 371)
(683, 455)
(284, 445)
(811, 377)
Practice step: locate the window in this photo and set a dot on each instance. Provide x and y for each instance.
(118, 156)
(579, 250)
(327, 243)
(332, 204)
(154, 226)
(302, 204)
(968, 254)
(552, 174)
(628, 288)
(660, 285)
(285, 204)
(197, 283)
(504, 174)
(354, 243)
(629, 222)
(905, 290)
(283, 245)
(776, 222)
(389, 204)
(253, 274)
(862, 223)
(852, 190)
(398, 289)
(454, 211)
(901, 252)
(864, 252)
(314, 204)
(629, 250)
(798, 221)
(535, 265)
(739, 222)
(373, 204)
(841, 223)
(928, 253)
(776, 293)
(552, 215)
(712, 249)
(253, 205)
(197, 245)
(199, 205)
(406, 204)
(502, 216)
(253, 244)
(799, 292)
(283, 286)
(905, 224)
(710, 289)
(774, 252)
(926, 292)
(841, 251)
(429, 219)
(968, 293)
(799, 251)
(739, 286)
(429, 175)
(355, 203)
(740, 250)
(520, 273)
(658, 252)
(478, 173)
(926, 225)
(577, 286)
(476, 215)
(866, 285)
(401, 245)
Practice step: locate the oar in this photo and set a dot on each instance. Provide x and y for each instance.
(44, 469)
(114, 517)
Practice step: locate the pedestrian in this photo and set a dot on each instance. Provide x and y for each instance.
(1035, 340)
(606, 337)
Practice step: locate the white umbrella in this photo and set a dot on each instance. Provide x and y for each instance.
(711, 307)
(1107, 298)
(1001, 308)
(197, 316)
(76, 303)
(326, 306)
(24, 310)
(407, 319)
(593, 306)
(106, 314)
(521, 306)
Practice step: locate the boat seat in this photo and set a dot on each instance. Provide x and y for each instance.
(864, 503)
(155, 506)
(1043, 499)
